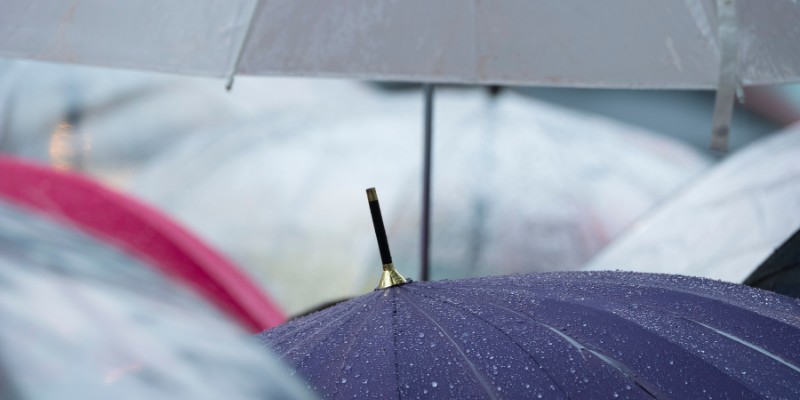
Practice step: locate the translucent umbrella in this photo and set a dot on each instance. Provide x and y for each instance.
(108, 122)
(614, 43)
(527, 185)
(723, 225)
(707, 44)
(82, 320)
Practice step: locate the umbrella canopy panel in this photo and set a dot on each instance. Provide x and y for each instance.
(528, 186)
(613, 43)
(597, 335)
(726, 223)
(82, 320)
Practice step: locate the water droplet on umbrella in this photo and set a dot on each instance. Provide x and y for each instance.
(434, 384)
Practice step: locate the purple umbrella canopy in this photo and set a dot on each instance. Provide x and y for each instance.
(594, 335)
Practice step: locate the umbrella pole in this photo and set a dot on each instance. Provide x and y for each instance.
(390, 277)
(426, 184)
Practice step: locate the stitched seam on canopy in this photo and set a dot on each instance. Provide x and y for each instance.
(445, 301)
(303, 323)
(288, 330)
(475, 372)
(745, 343)
(394, 344)
(315, 334)
(745, 307)
(600, 355)
(354, 337)
(678, 345)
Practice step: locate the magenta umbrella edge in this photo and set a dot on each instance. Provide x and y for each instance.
(142, 231)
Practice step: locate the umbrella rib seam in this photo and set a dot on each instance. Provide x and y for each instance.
(746, 307)
(618, 365)
(482, 380)
(444, 301)
(394, 345)
(302, 342)
(354, 336)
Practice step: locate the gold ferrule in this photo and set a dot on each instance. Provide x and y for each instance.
(390, 277)
(372, 195)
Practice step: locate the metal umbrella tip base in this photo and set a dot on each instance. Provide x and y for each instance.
(390, 277)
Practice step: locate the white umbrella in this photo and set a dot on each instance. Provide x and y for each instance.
(703, 44)
(586, 43)
(532, 186)
(723, 225)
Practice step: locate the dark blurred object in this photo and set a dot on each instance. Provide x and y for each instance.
(780, 273)
(142, 232)
(80, 319)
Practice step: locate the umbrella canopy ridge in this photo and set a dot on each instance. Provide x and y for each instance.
(725, 223)
(551, 335)
(512, 42)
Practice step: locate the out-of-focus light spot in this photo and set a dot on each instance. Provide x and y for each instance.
(67, 146)
(60, 148)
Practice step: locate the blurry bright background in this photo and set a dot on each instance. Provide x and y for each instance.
(273, 172)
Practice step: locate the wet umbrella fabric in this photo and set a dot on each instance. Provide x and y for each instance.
(141, 231)
(83, 320)
(613, 43)
(725, 223)
(552, 335)
(528, 185)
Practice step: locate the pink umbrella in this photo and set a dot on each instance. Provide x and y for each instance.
(140, 231)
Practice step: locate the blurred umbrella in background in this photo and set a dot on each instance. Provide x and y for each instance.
(140, 231)
(519, 186)
(108, 123)
(80, 319)
(563, 335)
(723, 225)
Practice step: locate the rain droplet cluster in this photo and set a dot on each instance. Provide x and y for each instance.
(552, 335)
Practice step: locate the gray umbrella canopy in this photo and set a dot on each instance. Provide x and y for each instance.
(81, 320)
(518, 186)
(613, 43)
(726, 223)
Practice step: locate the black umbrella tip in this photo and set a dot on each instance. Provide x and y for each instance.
(372, 195)
(390, 276)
